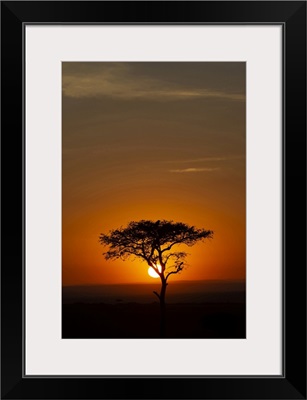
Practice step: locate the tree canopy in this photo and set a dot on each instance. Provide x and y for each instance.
(155, 243)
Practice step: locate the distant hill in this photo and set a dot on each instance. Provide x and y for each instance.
(177, 292)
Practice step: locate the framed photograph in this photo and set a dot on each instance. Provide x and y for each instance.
(151, 183)
(153, 200)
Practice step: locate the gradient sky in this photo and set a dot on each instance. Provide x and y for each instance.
(153, 140)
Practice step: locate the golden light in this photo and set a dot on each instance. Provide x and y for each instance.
(152, 273)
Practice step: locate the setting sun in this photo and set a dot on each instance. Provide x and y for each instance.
(152, 273)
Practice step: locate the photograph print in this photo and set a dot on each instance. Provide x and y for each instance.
(153, 200)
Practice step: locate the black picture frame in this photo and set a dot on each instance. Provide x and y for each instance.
(292, 16)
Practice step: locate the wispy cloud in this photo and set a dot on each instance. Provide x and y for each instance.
(189, 170)
(196, 160)
(116, 82)
(205, 159)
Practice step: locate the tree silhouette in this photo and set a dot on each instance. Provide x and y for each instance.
(155, 243)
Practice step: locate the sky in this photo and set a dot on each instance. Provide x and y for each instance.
(153, 140)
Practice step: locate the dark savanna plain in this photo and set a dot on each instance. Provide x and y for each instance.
(153, 141)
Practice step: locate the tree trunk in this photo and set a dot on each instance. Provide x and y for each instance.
(163, 309)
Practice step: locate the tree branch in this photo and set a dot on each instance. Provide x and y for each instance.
(178, 269)
(157, 294)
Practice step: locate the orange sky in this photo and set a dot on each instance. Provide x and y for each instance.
(153, 141)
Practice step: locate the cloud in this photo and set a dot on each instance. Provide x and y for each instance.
(189, 170)
(116, 82)
(196, 160)
(205, 159)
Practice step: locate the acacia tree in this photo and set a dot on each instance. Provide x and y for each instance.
(156, 243)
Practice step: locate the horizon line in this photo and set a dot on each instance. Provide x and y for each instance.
(156, 281)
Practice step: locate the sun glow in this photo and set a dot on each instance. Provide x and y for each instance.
(152, 273)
